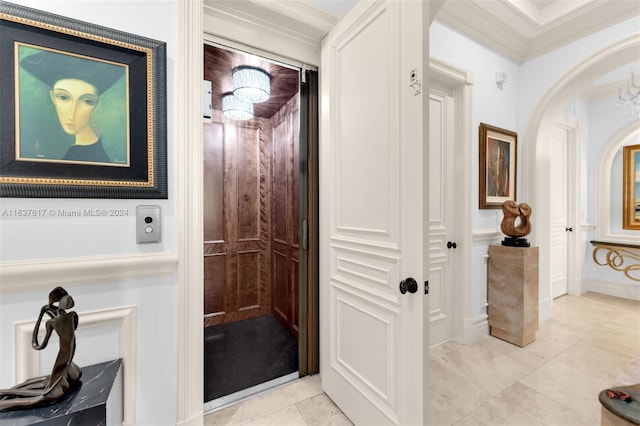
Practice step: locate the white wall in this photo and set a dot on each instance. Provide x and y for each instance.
(27, 240)
(540, 74)
(610, 121)
(492, 105)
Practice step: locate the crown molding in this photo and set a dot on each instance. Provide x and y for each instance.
(521, 33)
(475, 22)
(302, 12)
(293, 18)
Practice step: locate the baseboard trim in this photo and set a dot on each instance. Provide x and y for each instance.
(545, 310)
(475, 329)
(625, 291)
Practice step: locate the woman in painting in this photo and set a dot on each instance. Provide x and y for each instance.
(498, 179)
(65, 375)
(75, 87)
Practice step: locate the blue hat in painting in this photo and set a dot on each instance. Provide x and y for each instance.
(49, 67)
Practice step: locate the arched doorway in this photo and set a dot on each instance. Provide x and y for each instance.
(537, 152)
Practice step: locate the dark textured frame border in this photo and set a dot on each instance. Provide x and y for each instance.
(629, 202)
(146, 178)
(495, 202)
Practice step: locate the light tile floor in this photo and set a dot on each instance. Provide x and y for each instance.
(555, 380)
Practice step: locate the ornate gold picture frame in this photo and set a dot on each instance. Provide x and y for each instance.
(498, 166)
(83, 109)
(631, 187)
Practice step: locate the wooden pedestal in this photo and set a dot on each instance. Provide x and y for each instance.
(513, 293)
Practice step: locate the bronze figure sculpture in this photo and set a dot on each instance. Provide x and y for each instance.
(65, 376)
(516, 231)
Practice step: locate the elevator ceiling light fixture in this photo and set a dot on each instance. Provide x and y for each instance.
(235, 108)
(251, 84)
(629, 97)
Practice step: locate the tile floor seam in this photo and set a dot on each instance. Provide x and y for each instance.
(565, 406)
(300, 412)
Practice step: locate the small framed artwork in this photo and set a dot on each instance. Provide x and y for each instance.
(83, 109)
(631, 187)
(498, 157)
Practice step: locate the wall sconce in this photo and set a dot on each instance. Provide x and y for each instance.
(235, 108)
(251, 84)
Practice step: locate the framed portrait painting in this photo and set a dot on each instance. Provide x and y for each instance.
(84, 109)
(498, 158)
(631, 187)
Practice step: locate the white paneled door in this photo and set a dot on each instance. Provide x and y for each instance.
(374, 327)
(442, 248)
(559, 211)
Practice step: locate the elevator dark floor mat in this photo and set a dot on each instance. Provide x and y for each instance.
(245, 353)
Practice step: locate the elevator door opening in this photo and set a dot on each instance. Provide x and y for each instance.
(252, 238)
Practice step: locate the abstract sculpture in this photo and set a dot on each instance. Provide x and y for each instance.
(65, 376)
(515, 231)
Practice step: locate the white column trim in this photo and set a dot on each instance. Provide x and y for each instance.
(40, 274)
(190, 214)
(27, 361)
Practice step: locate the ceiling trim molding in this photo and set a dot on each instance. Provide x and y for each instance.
(268, 27)
(303, 12)
(525, 31)
(490, 31)
(291, 18)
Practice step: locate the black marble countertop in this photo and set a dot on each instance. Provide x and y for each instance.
(85, 405)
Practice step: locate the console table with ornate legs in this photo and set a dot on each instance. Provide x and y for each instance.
(622, 257)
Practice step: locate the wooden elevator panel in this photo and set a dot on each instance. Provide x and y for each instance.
(237, 164)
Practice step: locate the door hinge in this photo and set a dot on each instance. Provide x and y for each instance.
(426, 287)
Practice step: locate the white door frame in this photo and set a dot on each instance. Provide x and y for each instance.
(574, 260)
(569, 126)
(293, 31)
(461, 82)
(189, 212)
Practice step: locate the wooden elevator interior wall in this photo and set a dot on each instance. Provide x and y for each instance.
(251, 217)
(285, 218)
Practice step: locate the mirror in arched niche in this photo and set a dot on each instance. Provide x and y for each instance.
(609, 195)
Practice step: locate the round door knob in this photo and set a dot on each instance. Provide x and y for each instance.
(409, 285)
